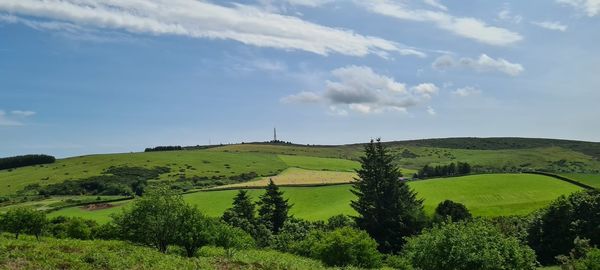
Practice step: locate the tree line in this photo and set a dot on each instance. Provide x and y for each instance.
(452, 169)
(163, 148)
(26, 160)
(126, 181)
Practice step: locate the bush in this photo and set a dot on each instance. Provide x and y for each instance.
(553, 231)
(74, 227)
(339, 221)
(451, 210)
(472, 245)
(341, 247)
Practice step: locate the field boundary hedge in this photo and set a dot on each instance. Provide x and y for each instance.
(88, 203)
(566, 179)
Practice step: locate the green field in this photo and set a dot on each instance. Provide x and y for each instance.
(592, 180)
(484, 195)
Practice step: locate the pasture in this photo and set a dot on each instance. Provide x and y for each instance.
(592, 180)
(484, 195)
(296, 176)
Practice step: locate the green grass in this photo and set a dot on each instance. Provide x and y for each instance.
(59, 201)
(203, 163)
(484, 195)
(592, 180)
(316, 163)
(49, 253)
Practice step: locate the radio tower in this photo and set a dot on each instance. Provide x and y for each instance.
(274, 134)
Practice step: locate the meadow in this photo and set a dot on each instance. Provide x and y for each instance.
(592, 180)
(484, 195)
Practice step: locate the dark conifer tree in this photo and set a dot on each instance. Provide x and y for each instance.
(243, 208)
(274, 208)
(387, 208)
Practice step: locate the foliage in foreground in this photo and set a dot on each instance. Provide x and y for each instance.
(466, 246)
(554, 231)
(50, 253)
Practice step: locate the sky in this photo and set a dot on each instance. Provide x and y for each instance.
(103, 76)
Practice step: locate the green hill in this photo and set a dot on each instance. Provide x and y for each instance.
(223, 163)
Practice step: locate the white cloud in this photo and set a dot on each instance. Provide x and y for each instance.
(467, 27)
(309, 3)
(435, 4)
(22, 113)
(590, 7)
(14, 118)
(483, 64)
(556, 26)
(302, 97)
(199, 19)
(431, 111)
(360, 89)
(506, 15)
(467, 91)
(426, 89)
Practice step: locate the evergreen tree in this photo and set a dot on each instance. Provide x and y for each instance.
(243, 208)
(387, 208)
(274, 208)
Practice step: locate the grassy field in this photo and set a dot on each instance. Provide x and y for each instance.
(317, 163)
(296, 176)
(585, 178)
(484, 195)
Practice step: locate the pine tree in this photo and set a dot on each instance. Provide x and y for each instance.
(274, 208)
(242, 208)
(387, 208)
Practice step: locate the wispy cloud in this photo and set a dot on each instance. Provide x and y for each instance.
(466, 91)
(590, 7)
(360, 89)
(556, 26)
(14, 118)
(435, 4)
(467, 27)
(198, 19)
(482, 64)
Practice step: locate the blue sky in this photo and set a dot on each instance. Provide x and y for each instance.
(91, 76)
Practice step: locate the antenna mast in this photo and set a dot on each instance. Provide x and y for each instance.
(274, 134)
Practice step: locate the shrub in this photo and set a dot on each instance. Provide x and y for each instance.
(472, 245)
(74, 227)
(451, 210)
(554, 229)
(341, 247)
(339, 221)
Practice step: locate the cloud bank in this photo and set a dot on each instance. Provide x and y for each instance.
(198, 19)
